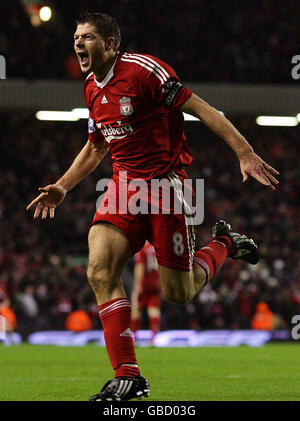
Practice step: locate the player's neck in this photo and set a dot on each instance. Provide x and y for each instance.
(102, 71)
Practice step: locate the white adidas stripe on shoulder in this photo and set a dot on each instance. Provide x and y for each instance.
(152, 70)
(151, 63)
(151, 60)
(152, 66)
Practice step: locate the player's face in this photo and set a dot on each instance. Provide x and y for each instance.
(90, 47)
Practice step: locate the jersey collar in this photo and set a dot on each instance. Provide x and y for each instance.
(107, 77)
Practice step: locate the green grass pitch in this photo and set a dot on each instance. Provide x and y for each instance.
(51, 373)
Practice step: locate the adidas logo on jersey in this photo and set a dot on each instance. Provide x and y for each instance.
(127, 333)
(104, 100)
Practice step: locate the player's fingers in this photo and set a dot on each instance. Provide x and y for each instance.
(38, 210)
(261, 178)
(33, 203)
(51, 212)
(267, 183)
(270, 177)
(268, 167)
(45, 212)
(244, 174)
(245, 177)
(44, 189)
(36, 201)
(36, 213)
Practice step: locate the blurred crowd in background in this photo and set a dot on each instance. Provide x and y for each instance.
(205, 41)
(43, 263)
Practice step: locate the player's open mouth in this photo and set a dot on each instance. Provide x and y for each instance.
(83, 58)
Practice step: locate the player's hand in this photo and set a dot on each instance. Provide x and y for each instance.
(251, 164)
(50, 197)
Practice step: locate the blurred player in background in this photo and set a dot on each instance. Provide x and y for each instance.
(146, 291)
(7, 317)
(136, 103)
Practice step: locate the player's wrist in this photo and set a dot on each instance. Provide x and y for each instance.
(62, 186)
(244, 150)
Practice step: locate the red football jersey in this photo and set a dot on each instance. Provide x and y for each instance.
(150, 282)
(135, 109)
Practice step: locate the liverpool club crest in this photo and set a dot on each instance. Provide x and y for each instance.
(126, 107)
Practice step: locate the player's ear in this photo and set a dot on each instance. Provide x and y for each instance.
(109, 44)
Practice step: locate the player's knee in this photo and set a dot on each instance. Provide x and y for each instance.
(154, 311)
(101, 278)
(175, 294)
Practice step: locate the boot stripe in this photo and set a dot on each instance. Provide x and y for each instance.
(128, 387)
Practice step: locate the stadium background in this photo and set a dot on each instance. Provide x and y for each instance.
(237, 57)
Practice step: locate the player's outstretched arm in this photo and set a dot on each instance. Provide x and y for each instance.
(250, 163)
(52, 195)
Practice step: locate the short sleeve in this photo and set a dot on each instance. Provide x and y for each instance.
(140, 257)
(94, 134)
(158, 81)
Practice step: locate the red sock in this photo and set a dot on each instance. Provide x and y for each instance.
(115, 317)
(212, 257)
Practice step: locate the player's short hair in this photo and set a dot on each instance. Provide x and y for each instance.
(106, 26)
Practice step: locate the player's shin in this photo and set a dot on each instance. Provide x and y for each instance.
(115, 316)
(154, 324)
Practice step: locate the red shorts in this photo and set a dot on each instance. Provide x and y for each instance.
(170, 234)
(149, 299)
